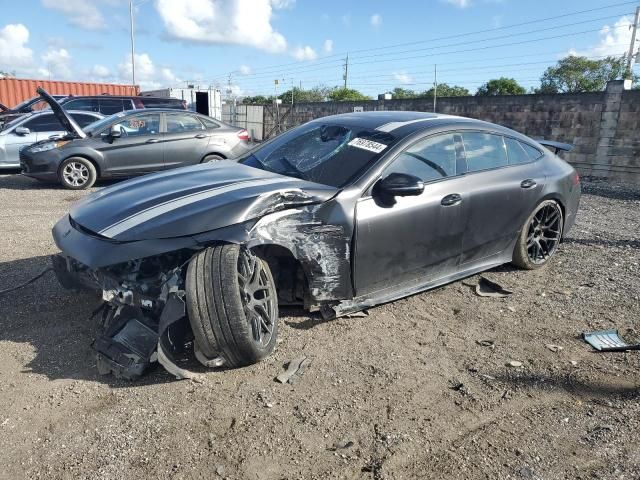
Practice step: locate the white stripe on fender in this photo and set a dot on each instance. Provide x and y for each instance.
(152, 212)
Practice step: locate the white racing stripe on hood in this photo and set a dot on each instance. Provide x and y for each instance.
(152, 212)
(391, 126)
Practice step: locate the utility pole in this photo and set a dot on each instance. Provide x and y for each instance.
(632, 47)
(435, 87)
(133, 47)
(292, 87)
(346, 71)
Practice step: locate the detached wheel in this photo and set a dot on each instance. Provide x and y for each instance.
(540, 236)
(232, 305)
(77, 173)
(212, 158)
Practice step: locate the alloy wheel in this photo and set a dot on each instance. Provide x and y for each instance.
(75, 174)
(544, 233)
(257, 297)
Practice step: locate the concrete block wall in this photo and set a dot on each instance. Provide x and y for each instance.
(604, 127)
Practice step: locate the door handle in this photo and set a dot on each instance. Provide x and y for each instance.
(450, 200)
(200, 135)
(528, 183)
(152, 140)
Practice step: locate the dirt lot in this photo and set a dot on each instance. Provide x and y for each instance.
(411, 391)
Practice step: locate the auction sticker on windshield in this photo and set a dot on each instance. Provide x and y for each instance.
(367, 145)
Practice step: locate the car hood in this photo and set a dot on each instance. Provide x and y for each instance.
(191, 200)
(61, 114)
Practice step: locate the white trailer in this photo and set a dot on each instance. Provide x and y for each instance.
(206, 101)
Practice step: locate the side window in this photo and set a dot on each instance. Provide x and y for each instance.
(516, 152)
(87, 104)
(109, 106)
(484, 151)
(183, 123)
(83, 120)
(209, 123)
(430, 159)
(533, 152)
(44, 123)
(138, 125)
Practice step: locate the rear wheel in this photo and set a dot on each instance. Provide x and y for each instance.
(77, 173)
(540, 236)
(232, 305)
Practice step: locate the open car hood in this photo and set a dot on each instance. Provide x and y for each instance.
(191, 200)
(65, 119)
(3, 107)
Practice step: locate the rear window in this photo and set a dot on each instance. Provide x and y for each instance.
(83, 119)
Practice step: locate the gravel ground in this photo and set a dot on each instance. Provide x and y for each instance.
(418, 389)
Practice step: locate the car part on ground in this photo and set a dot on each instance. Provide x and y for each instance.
(423, 200)
(608, 341)
(130, 144)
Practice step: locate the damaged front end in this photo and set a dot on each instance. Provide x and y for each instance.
(143, 311)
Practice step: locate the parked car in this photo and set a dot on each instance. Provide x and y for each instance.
(130, 143)
(33, 104)
(340, 214)
(110, 104)
(33, 127)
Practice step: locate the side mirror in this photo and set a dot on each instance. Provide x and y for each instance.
(115, 132)
(22, 131)
(400, 185)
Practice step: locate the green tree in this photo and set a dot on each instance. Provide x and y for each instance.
(403, 93)
(501, 86)
(575, 74)
(257, 100)
(341, 94)
(445, 90)
(315, 94)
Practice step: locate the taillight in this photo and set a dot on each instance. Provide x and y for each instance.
(243, 135)
(575, 179)
(137, 103)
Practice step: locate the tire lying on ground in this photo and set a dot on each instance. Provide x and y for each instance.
(232, 304)
(540, 236)
(77, 173)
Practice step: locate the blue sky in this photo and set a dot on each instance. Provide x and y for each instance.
(254, 42)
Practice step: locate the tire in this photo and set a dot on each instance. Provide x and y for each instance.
(77, 173)
(212, 158)
(540, 236)
(223, 312)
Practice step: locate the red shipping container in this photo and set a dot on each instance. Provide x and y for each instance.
(15, 90)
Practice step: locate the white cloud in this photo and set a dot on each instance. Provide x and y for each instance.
(346, 20)
(56, 63)
(327, 46)
(304, 53)
(100, 71)
(402, 77)
(14, 52)
(244, 70)
(81, 13)
(459, 3)
(241, 22)
(283, 3)
(376, 20)
(613, 40)
(148, 75)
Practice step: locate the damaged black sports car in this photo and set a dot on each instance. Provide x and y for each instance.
(337, 215)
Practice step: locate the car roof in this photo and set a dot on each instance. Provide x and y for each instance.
(405, 123)
(73, 97)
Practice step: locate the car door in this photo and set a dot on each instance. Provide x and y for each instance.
(185, 140)
(417, 238)
(501, 194)
(139, 149)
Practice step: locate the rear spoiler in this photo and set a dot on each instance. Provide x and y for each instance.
(556, 147)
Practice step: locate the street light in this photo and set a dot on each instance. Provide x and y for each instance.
(133, 48)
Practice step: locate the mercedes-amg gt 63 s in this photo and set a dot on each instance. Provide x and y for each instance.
(337, 215)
